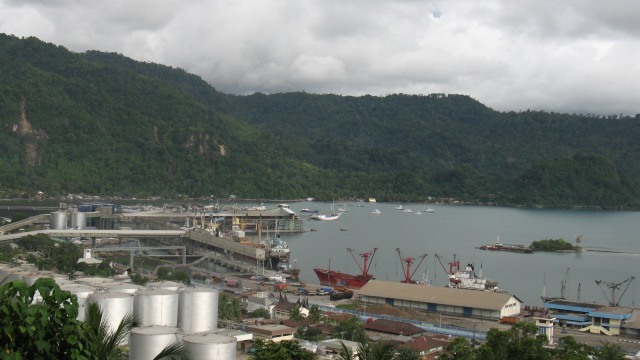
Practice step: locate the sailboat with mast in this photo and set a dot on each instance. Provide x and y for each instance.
(324, 217)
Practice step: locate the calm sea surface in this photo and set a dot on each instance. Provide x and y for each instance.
(611, 241)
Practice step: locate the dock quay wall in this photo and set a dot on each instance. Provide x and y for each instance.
(203, 237)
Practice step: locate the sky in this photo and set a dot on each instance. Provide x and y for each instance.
(571, 56)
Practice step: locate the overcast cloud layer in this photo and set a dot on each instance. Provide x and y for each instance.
(575, 56)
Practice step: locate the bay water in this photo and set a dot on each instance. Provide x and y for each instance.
(610, 240)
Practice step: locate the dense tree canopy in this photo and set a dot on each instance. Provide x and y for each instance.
(104, 124)
(522, 341)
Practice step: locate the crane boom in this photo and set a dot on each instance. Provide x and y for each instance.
(408, 275)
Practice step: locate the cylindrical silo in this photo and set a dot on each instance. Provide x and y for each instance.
(5, 271)
(11, 274)
(145, 343)
(78, 220)
(82, 292)
(115, 306)
(198, 310)
(210, 346)
(167, 285)
(29, 277)
(156, 307)
(128, 288)
(58, 220)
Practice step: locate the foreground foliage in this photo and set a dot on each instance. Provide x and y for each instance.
(46, 329)
(39, 322)
(284, 350)
(522, 341)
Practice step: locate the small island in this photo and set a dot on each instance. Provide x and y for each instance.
(553, 245)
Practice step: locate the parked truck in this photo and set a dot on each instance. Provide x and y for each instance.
(280, 287)
(325, 291)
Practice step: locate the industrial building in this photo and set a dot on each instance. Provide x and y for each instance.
(470, 303)
(595, 318)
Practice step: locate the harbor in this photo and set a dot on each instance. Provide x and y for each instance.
(235, 253)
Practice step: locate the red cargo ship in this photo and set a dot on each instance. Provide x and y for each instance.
(330, 277)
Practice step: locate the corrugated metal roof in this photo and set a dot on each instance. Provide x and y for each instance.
(436, 295)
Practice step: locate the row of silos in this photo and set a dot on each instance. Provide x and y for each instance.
(191, 310)
(60, 220)
(168, 312)
(146, 342)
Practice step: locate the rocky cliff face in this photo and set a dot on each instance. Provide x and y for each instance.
(32, 137)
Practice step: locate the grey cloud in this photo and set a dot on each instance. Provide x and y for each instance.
(574, 55)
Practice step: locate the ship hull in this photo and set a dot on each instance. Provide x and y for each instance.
(335, 278)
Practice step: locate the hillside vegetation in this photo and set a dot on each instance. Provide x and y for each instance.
(103, 124)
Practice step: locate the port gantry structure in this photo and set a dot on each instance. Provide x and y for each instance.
(243, 254)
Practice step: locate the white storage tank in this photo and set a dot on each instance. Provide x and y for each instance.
(29, 277)
(210, 346)
(58, 220)
(198, 310)
(168, 285)
(62, 279)
(156, 307)
(127, 288)
(115, 306)
(94, 281)
(82, 292)
(145, 343)
(11, 274)
(78, 220)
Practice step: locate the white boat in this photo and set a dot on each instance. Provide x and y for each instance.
(468, 278)
(375, 211)
(408, 211)
(429, 210)
(324, 217)
(399, 207)
(417, 213)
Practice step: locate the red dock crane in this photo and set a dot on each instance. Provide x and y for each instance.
(407, 271)
(366, 256)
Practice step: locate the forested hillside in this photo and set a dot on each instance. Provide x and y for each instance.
(101, 123)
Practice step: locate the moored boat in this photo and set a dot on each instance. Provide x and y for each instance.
(507, 247)
(498, 246)
(278, 251)
(309, 211)
(330, 277)
(324, 217)
(468, 278)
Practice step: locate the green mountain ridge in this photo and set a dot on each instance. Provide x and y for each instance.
(101, 123)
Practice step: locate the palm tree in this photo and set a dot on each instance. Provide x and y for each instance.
(379, 351)
(366, 351)
(315, 315)
(229, 307)
(295, 314)
(105, 344)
